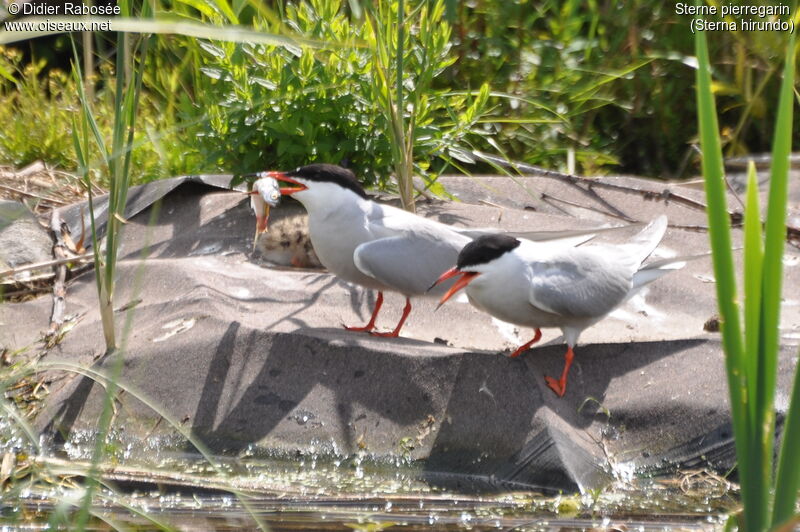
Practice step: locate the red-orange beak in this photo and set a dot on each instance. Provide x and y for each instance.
(466, 278)
(287, 191)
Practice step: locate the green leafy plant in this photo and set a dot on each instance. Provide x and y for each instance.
(602, 84)
(30, 118)
(38, 104)
(611, 82)
(571, 79)
(410, 44)
(335, 102)
(752, 352)
(389, 44)
(286, 106)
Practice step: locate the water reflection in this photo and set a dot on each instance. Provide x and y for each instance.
(315, 491)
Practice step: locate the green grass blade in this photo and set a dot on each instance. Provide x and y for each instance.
(226, 10)
(775, 237)
(204, 7)
(721, 246)
(21, 422)
(114, 166)
(81, 147)
(5, 73)
(76, 143)
(136, 88)
(754, 356)
(189, 29)
(103, 426)
(150, 517)
(404, 184)
(120, 178)
(213, 9)
(114, 170)
(86, 106)
(506, 96)
(788, 473)
(131, 108)
(787, 477)
(105, 379)
(81, 144)
(753, 263)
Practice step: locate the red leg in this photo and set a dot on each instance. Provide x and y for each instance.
(560, 386)
(524, 347)
(396, 332)
(371, 325)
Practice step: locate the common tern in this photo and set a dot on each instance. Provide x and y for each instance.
(549, 284)
(369, 244)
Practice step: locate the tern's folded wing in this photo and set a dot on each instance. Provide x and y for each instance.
(408, 263)
(578, 283)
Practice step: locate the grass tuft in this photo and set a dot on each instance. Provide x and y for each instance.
(752, 354)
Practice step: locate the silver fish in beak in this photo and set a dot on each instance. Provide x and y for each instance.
(266, 194)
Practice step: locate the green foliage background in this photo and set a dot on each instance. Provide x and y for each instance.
(610, 83)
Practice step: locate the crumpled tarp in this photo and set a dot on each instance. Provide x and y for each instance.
(246, 354)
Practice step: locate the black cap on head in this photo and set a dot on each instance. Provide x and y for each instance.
(330, 173)
(485, 249)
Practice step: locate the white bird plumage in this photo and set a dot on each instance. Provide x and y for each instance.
(378, 246)
(373, 245)
(530, 283)
(550, 284)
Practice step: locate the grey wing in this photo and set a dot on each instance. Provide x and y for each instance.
(576, 236)
(408, 263)
(579, 283)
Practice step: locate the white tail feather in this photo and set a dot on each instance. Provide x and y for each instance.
(656, 269)
(646, 241)
(648, 275)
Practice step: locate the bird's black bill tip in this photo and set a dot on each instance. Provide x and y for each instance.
(452, 272)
